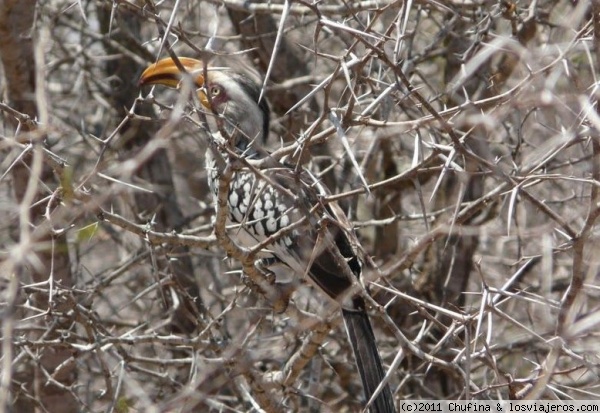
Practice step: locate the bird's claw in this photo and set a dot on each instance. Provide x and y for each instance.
(262, 265)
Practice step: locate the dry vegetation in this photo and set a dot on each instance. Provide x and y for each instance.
(475, 130)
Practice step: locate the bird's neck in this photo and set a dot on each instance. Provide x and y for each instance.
(241, 145)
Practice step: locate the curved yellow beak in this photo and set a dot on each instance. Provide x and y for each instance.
(166, 72)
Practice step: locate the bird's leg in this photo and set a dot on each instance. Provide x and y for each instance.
(263, 264)
(285, 289)
(265, 281)
(282, 291)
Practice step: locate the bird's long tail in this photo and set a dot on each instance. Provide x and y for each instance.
(368, 361)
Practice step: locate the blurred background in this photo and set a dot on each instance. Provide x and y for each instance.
(461, 138)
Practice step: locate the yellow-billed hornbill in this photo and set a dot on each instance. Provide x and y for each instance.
(321, 245)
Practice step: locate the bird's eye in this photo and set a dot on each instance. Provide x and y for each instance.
(215, 91)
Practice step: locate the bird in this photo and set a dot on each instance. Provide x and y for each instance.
(321, 246)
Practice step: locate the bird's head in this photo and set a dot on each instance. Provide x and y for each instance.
(232, 95)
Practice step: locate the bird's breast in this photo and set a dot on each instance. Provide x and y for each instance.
(254, 206)
(259, 210)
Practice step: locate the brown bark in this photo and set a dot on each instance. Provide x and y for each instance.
(448, 263)
(161, 205)
(259, 32)
(30, 383)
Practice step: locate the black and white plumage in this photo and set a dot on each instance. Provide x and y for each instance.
(322, 245)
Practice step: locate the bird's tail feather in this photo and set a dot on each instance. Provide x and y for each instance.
(368, 361)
